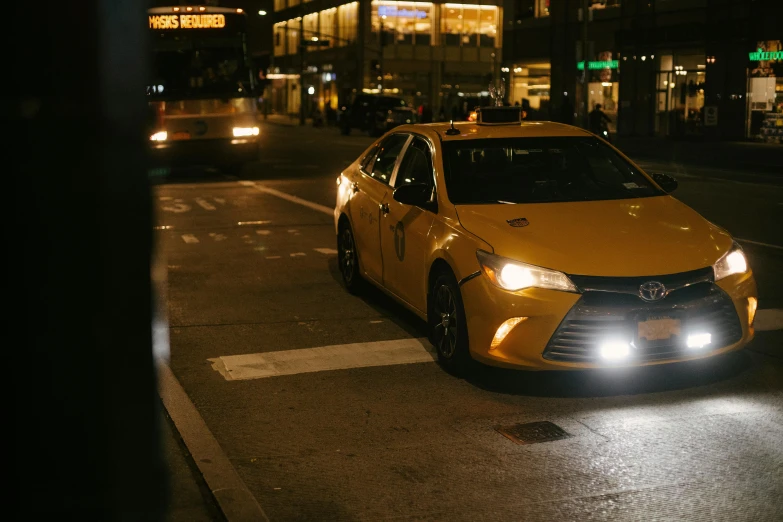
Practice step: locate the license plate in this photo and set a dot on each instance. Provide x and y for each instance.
(658, 329)
(181, 136)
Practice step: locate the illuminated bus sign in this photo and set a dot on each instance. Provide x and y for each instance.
(187, 21)
(384, 10)
(762, 55)
(606, 64)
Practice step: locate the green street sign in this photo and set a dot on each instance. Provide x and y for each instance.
(605, 64)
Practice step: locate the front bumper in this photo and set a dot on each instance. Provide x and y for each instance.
(212, 152)
(564, 330)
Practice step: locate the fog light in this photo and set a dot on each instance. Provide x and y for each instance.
(699, 340)
(615, 350)
(245, 131)
(504, 330)
(752, 304)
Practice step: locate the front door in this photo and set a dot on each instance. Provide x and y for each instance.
(369, 189)
(404, 229)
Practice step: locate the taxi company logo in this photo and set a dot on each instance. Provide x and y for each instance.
(518, 222)
(652, 291)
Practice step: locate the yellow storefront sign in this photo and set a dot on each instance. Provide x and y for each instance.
(187, 21)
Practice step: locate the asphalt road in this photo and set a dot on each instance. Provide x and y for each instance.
(250, 272)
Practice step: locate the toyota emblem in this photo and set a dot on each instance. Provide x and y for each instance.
(652, 291)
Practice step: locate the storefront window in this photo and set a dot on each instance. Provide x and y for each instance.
(347, 23)
(765, 92)
(601, 4)
(680, 95)
(530, 84)
(469, 25)
(542, 8)
(402, 22)
(603, 86)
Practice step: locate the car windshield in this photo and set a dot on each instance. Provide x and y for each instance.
(539, 170)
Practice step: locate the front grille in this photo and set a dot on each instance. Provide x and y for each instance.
(605, 314)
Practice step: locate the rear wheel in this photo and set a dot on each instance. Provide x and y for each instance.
(447, 325)
(348, 259)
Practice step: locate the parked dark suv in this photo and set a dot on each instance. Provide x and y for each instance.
(374, 114)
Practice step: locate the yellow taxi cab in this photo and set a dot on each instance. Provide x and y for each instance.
(538, 245)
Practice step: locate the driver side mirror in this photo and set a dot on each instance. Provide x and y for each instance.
(666, 182)
(415, 194)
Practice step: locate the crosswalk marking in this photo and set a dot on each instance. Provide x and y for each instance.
(189, 238)
(327, 251)
(336, 357)
(217, 237)
(263, 232)
(297, 254)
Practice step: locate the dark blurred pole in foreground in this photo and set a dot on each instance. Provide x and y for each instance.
(78, 257)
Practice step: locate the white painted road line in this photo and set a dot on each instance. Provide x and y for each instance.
(758, 243)
(769, 319)
(203, 203)
(263, 232)
(326, 251)
(289, 197)
(297, 254)
(337, 357)
(189, 238)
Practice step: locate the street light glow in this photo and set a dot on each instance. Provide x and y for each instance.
(262, 13)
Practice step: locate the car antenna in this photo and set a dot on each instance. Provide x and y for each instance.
(452, 131)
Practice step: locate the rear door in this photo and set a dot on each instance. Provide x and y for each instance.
(369, 189)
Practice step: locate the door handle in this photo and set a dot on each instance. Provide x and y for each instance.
(355, 187)
(384, 208)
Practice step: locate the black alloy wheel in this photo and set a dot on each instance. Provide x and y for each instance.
(448, 328)
(348, 259)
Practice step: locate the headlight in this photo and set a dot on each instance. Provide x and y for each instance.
(245, 131)
(513, 275)
(733, 262)
(159, 136)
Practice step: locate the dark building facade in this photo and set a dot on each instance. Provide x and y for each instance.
(702, 69)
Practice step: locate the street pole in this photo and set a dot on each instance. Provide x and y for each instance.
(302, 80)
(380, 58)
(585, 77)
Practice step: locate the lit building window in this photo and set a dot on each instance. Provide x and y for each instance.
(601, 4)
(542, 8)
(347, 23)
(292, 3)
(280, 5)
(293, 35)
(310, 28)
(327, 26)
(469, 25)
(402, 22)
(279, 39)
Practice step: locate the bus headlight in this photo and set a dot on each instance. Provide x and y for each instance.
(240, 132)
(159, 136)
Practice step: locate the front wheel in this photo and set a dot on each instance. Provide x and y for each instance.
(348, 259)
(447, 325)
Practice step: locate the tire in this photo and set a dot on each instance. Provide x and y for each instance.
(448, 331)
(348, 259)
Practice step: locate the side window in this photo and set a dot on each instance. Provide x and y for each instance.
(367, 161)
(383, 166)
(416, 166)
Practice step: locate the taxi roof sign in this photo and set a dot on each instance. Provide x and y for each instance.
(498, 115)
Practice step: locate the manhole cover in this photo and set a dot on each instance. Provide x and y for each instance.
(533, 432)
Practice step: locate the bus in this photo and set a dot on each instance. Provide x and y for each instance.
(202, 88)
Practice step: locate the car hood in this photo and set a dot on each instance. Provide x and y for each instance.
(628, 237)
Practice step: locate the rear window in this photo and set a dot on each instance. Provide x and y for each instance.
(538, 170)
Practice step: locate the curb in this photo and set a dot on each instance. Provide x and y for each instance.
(234, 499)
